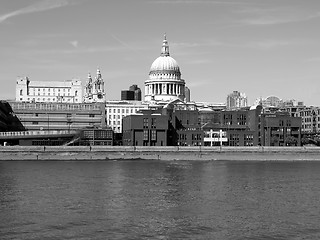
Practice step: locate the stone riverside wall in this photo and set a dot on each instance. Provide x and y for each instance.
(157, 153)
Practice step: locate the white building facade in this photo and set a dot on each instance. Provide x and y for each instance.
(116, 110)
(68, 91)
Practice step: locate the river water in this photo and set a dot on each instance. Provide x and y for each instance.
(159, 200)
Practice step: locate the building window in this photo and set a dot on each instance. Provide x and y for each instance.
(248, 140)
(153, 122)
(145, 122)
(234, 139)
(153, 135)
(21, 92)
(281, 123)
(288, 123)
(145, 135)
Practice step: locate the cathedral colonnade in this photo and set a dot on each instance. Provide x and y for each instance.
(164, 89)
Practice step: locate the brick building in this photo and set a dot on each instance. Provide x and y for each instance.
(148, 129)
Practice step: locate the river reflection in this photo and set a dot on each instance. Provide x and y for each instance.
(159, 200)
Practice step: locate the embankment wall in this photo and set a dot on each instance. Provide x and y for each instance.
(73, 153)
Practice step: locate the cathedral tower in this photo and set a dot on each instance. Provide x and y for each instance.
(94, 91)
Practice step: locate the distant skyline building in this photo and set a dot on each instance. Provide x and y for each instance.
(236, 100)
(270, 101)
(164, 83)
(187, 94)
(133, 94)
(68, 91)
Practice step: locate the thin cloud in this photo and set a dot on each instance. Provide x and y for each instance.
(314, 59)
(74, 43)
(75, 50)
(269, 20)
(37, 7)
(197, 2)
(265, 16)
(268, 44)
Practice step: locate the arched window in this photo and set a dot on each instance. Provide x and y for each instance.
(76, 93)
(21, 92)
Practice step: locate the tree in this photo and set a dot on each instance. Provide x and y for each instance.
(291, 141)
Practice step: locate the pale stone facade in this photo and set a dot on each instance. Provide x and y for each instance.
(94, 90)
(68, 91)
(116, 110)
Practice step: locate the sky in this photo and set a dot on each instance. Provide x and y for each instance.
(258, 47)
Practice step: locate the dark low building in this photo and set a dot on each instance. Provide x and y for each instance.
(280, 129)
(176, 124)
(253, 127)
(148, 129)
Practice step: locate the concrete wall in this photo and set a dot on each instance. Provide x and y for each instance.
(158, 153)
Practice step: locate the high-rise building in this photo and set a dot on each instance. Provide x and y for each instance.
(236, 100)
(133, 94)
(164, 83)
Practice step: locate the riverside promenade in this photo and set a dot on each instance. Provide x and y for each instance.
(85, 153)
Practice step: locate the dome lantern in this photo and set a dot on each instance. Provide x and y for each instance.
(165, 47)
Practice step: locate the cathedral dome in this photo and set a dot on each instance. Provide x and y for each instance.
(165, 66)
(164, 82)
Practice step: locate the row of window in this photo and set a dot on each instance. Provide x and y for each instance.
(114, 123)
(48, 93)
(146, 122)
(123, 110)
(152, 133)
(215, 135)
(49, 89)
(50, 99)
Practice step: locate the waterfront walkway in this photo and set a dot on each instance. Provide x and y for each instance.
(157, 153)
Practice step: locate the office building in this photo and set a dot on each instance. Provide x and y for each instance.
(133, 94)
